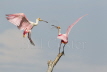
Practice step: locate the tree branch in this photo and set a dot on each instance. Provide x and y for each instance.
(51, 64)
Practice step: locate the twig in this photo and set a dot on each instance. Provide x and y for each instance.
(51, 64)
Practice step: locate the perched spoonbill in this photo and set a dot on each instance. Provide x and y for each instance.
(64, 37)
(20, 20)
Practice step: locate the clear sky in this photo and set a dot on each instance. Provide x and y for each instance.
(87, 47)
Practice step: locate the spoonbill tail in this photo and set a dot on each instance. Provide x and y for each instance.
(20, 20)
(64, 37)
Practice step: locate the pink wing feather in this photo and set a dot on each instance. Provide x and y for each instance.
(19, 20)
(63, 37)
(70, 27)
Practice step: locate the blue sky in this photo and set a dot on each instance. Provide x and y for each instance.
(85, 52)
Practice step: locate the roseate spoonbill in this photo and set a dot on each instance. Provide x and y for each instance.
(20, 20)
(64, 37)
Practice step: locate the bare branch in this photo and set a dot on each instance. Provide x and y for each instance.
(51, 64)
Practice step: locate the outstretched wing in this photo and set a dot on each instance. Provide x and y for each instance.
(18, 19)
(70, 27)
(29, 37)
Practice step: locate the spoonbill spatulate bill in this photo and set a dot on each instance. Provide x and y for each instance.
(20, 20)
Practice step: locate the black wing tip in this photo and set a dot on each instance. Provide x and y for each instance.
(7, 14)
(7, 18)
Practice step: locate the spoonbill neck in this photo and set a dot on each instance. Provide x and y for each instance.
(59, 31)
(36, 22)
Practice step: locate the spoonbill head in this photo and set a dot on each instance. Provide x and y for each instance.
(39, 19)
(57, 27)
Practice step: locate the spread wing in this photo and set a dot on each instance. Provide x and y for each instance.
(19, 20)
(70, 27)
(29, 37)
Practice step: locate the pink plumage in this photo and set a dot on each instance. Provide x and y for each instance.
(64, 37)
(19, 20)
(70, 27)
